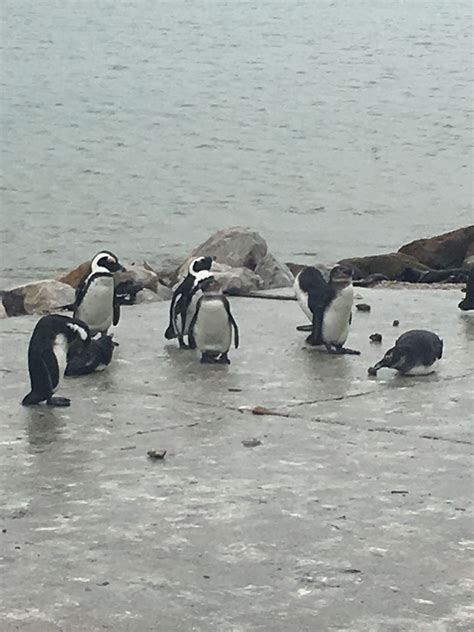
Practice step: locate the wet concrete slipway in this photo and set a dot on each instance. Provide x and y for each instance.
(354, 512)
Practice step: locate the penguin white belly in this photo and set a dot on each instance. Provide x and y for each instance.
(302, 298)
(97, 306)
(337, 317)
(60, 348)
(422, 369)
(212, 330)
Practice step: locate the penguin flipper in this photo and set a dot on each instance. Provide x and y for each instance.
(193, 323)
(232, 322)
(317, 303)
(116, 316)
(80, 292)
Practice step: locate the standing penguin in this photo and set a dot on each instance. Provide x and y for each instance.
(185, 298)
(96, 303)
(211, 327)
(47, 356)
(328, 305)
(416, 352)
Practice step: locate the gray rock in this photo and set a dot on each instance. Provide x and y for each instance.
(236, 247)
(143, 276)
(40, 297)
(273, 273)
(236, 279)
(148, 296)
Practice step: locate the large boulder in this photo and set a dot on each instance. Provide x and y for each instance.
(236, 247)
(273, 273)
(391, 265)
(469, 257)
(236, 280)
(143, 276)
(73, 277)
(39, 297)
(443, 251)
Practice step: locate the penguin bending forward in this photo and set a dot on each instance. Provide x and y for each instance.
(212, 324)
(185, 298)
(47, 356)
(416, 352)
(96, 303)
(328, 305)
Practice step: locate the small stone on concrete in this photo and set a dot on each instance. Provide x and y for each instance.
(363, 307)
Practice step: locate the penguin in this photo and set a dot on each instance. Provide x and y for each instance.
(185, 298)
(416, 352)
(96, 303)
(47, 356)
(96, 356)
(212, 324)
(328, 305)
(468, 301)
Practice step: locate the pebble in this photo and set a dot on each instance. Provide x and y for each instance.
(363, 307)
(156, 454)
(395, 323)
(375, 337)
(251, 443)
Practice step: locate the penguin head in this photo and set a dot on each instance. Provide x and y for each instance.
(200, 264)
(340, 275)
(393, 358)
(105, 261)
(203, 279)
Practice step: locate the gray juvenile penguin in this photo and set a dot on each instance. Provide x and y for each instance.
(416, 352)
(328, 305)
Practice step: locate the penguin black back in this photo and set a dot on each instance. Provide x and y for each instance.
(415, 352)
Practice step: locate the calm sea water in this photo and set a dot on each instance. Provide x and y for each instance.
(334, 128)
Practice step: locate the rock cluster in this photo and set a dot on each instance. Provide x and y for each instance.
(243, 264)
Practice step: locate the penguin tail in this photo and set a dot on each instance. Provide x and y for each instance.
(170, 333)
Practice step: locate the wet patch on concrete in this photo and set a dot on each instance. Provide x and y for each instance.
(354, 512)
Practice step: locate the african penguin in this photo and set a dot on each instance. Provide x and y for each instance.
(96, 303)
(185, 297)
(468, 302)
(212, 324)
(328, 305)
(96, 356)
(47, 356)
(416, 352)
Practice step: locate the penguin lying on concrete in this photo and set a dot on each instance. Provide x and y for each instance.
(185, 298)
(47, 356)
(468, 302)
(211, 327)
(96, 303)
(416, 352)
(328, 305)
(96, 356)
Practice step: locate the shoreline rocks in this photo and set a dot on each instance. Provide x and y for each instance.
(243, 265)
(38, 297)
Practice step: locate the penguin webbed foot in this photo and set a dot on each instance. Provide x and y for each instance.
(340, 350)
(182, 344)
(58, 401)
(212, 358)
(311, 340)
(346, 351)
(223, 359)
